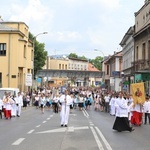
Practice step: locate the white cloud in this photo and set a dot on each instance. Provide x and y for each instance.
(75, 25)
(65, 36)
(111, 4)
(34, 14)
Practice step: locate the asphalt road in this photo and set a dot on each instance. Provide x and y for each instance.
(87, 130)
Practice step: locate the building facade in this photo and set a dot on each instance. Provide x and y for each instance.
(16, 55)
(141, 61)
(113, 69)
(127, 45)
(54, 63)
(75, 65)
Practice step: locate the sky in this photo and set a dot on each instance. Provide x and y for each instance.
(75, 26)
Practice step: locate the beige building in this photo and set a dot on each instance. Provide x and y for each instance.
(141, 63)
(64, 63)
(16, 55)
(56, 64)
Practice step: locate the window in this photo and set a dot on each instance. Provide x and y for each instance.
(149, 49)
(25, 51)
(0, 79)
(62, 66)
(2, 49)
(59, 66)
(143, 51)
(137, 53)
(107, 70)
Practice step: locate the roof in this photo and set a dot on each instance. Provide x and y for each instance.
(116, 54)
(138, 12)
(13, 22)
(78, 59)
(92, 67)
(6, 28)
(129, 33)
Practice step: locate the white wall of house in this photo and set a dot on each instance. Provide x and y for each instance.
(117, 84)
(117, 65)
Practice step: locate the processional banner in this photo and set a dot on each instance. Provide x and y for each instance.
(138, 93)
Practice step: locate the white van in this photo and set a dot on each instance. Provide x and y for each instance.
(13, 91)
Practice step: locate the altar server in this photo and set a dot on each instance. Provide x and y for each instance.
(121, 122)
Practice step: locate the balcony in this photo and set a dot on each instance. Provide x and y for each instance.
(140, 65)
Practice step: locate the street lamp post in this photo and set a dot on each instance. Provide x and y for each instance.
(100, 51)
(34, 39)
(102, 63)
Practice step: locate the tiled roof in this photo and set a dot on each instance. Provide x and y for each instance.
(91, 67)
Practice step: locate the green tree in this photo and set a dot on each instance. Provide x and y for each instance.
(73, 55)
(83, 58)
(97, 62)
(40, 55)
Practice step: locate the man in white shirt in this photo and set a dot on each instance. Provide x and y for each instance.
(107, 99)
(146, 108)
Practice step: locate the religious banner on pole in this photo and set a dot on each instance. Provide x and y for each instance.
(138, 93)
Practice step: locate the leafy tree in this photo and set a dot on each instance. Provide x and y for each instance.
(40, 54)
(97, 62)
(73, 55)
(83, 58)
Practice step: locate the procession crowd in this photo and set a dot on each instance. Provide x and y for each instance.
(119, 104)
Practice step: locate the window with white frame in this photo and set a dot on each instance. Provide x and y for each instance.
(2, 49)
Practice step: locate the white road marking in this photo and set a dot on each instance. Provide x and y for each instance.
(18, 141)
(44, 121)
(30, 131)
(80, 128)
(103, 138)
(73, 114)
(91, 124)
(55, 130)
(48, 118)
(97, 139)
(38, 126)
(69, 129)
(85, 113)
(51, 115)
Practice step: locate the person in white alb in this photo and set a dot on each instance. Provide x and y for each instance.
(19, 104)
(121, 122)
(65, 101)
(112, 105)
(7, 101)
(14, 107)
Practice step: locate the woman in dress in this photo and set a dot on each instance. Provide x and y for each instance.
(42, 102)
(36, 101)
